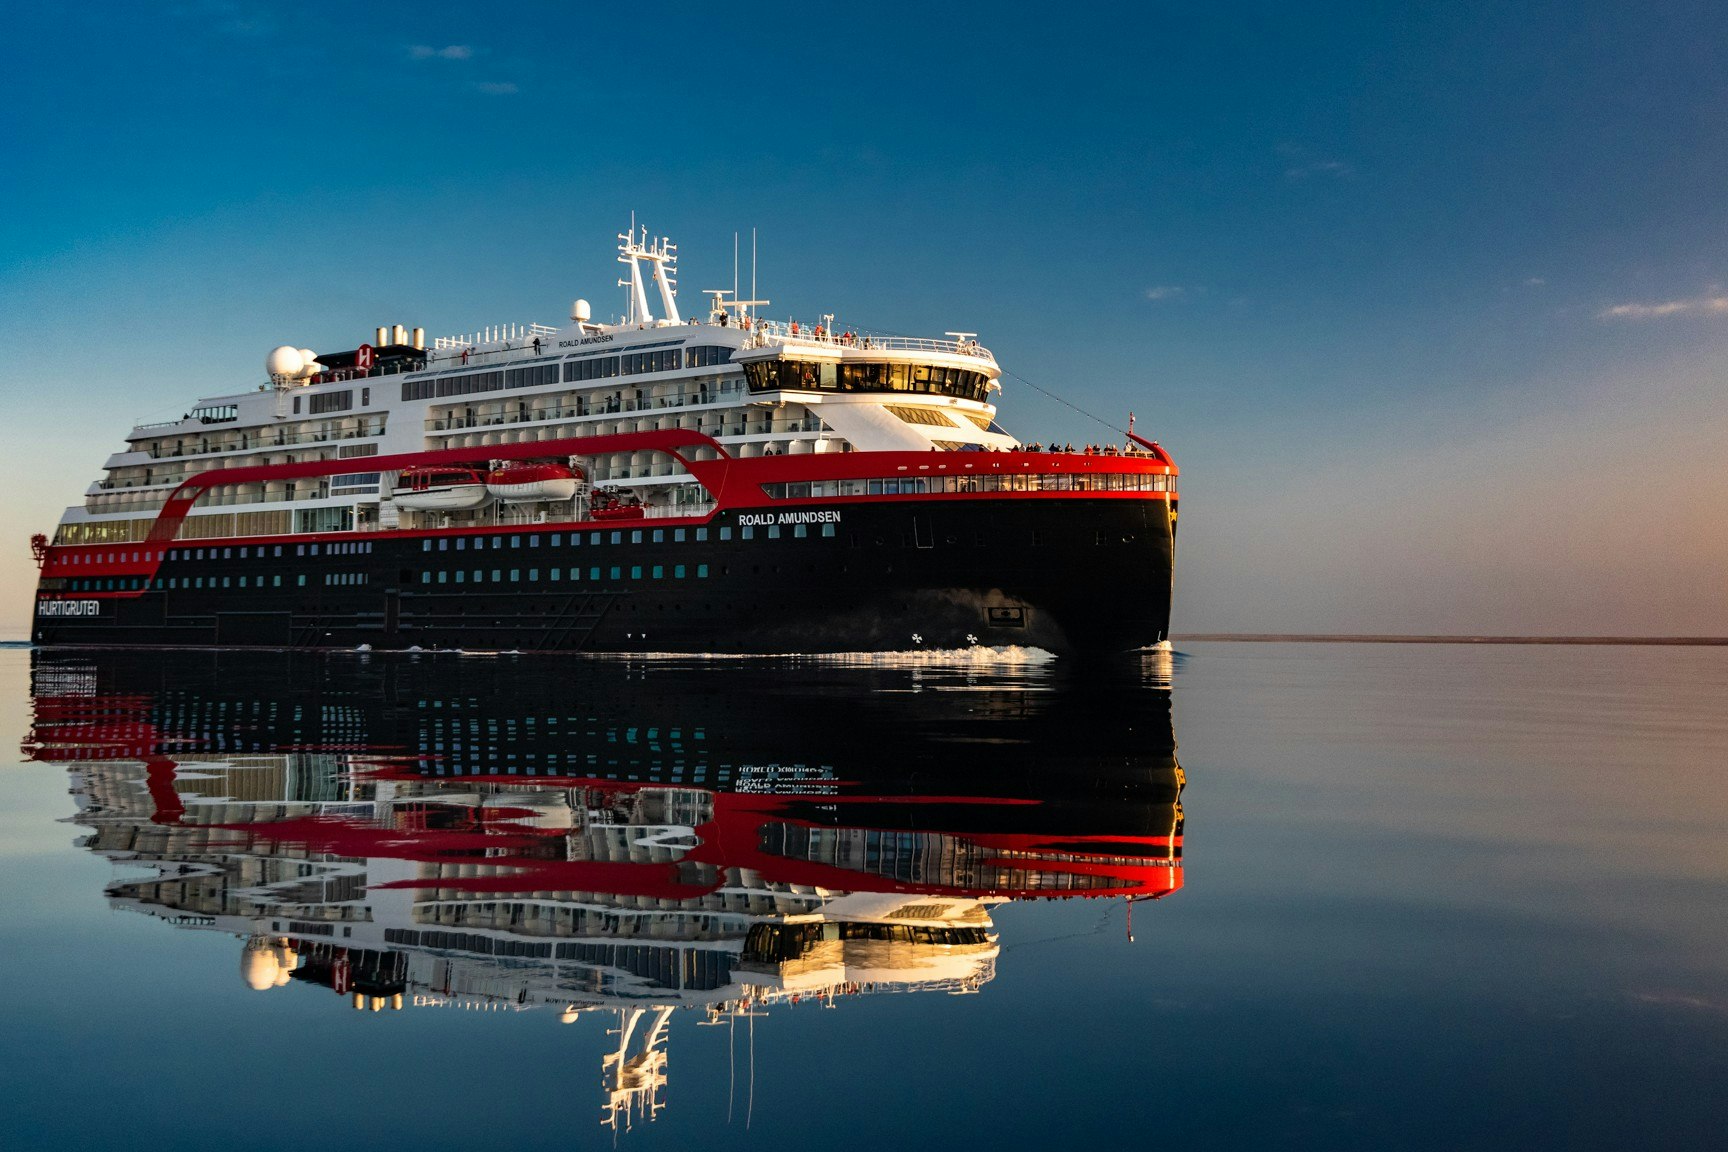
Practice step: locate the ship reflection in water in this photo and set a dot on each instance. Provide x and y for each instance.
(609, 838)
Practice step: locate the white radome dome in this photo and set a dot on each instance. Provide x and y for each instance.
(285, 361)
(259, 967)
(310, 366)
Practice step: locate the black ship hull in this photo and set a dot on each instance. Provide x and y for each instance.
(1071, 576)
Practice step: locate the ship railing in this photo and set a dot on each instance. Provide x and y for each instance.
(766, 332)
(269, 440)
(521, 334)
(582, 411)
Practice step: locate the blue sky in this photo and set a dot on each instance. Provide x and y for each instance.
(1429, 305)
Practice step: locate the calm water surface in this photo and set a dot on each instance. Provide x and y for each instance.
(1306, 896)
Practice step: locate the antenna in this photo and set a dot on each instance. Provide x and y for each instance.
(752, 263)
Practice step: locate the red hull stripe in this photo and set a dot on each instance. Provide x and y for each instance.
(732, 482)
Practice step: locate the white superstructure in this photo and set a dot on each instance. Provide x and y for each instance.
(756, 385)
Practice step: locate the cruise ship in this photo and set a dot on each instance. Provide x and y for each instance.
(724, 483)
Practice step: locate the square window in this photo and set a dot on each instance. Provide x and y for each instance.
(515, 541)
(442, 575)
(799, 531)
(659, 572)
(497, 575)
(616, 572)
(426, 545)
(516, 575)
(302, 580)
(701, 571)
(725, 532)
(678, 572)
(533, 573)
(558, 538)
(636, 572)
(636, 536)
(533, 541)
(593, 537)
(659, 536)
(461, 544)
(275, 581)
(677, 535)
(425, 577)
(617, 537)
(827, 529)
(555, 573)
(443, 545)
(701, 535)
(743, 533)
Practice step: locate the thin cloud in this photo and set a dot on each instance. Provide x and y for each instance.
(496, 87)
(1713, 305)
(448, 52)
(1166, 292)
(1534, 281)
(1302, 164)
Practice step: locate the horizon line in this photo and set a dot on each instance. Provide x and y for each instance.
(1397, 638)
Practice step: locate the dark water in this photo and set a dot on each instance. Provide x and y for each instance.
(1380, 896)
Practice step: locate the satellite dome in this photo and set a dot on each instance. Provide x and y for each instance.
(311, 366)
(285, 361)
(580, 312)
(258, 964)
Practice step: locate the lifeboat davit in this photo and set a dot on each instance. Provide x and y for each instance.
(530, 483)
(439, 489)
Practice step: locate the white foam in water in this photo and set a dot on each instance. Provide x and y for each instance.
(973, 656)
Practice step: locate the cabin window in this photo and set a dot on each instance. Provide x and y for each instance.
(636, 536)
(616, 573)
(678, 572)
(701, 571)
(636, 572)
(658, 572)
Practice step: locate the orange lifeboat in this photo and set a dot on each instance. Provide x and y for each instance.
(527, 483)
